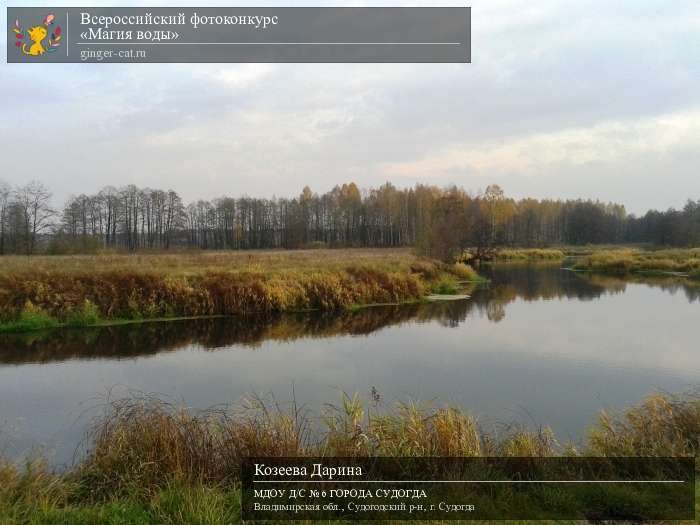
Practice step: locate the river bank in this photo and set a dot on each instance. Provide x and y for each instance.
(681, 262)
(153, 462)
(612, 259)
(47, 292)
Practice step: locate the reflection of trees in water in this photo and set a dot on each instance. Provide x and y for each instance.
(537, 282)
(508, 283)
(691, 292)
(133, 340)
(533, 283)
(544, 282)
(668, 283)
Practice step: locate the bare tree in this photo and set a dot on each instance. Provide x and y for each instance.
(441, 222)
(33, 201)
(5, 192)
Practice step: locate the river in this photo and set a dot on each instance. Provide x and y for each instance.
(537, 346)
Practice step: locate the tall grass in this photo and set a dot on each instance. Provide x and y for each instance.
(191, 262)
(145, 443)
(114, 287)
(207, 446)
(637, 260)
(663, 425)
(529, 254)
(465, 272)
(152, 462)
(446, 286)
(87, 315)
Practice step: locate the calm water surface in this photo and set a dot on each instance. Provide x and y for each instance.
(539, 346)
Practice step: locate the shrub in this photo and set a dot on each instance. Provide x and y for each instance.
(466, 257)
(446, 286)
(427, 269)
(87, 315)
(465, 272)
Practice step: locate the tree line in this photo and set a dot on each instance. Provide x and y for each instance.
(439, 221)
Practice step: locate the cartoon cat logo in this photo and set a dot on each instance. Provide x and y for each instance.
(36, 36)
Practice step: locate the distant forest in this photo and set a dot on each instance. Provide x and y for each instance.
(439, 221)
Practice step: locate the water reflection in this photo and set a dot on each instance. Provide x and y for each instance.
(136, 340)
(533, 282)
(538, 344)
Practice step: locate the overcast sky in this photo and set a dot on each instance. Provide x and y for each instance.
(585, 98)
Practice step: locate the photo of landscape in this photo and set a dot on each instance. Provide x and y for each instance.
(203, 263)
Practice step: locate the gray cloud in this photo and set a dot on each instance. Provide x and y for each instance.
(562, 99)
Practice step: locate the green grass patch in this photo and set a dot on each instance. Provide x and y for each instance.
(31, 318)
(447, 285)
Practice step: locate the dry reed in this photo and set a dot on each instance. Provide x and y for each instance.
(82, 290)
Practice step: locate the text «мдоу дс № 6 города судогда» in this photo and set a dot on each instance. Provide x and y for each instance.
(422, 488)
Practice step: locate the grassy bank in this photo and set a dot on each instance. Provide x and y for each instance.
(622, 261)
(529, 254)
(151, 462)
(45, 292)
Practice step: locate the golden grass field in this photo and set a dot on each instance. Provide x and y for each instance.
(80, 290)
(83, 290)
(530, 254)
(190, 262)
(628, 260)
